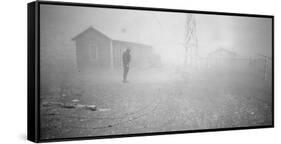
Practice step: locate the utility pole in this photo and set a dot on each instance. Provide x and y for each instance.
(267, 60)
(190, 41)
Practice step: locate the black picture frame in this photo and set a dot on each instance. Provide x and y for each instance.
(33, 133)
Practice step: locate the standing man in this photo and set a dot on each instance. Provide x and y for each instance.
(126, 61)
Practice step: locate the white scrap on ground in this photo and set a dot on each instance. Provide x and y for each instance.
(75, 100)
(104, 109)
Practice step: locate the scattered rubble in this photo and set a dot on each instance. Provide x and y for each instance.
(70, 105)
(47, 104)
(75, 100)
(104, 109)
(91, 107)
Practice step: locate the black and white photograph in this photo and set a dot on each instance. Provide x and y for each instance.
(107, 71)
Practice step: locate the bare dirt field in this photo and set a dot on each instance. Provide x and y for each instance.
(154, 101)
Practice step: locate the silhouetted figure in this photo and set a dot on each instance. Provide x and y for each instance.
(126, 61)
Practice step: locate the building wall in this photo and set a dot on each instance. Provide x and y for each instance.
(92, 51)
(141, 55)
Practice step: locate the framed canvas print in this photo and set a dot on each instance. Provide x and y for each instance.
(103, 71)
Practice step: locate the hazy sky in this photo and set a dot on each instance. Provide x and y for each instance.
(247, 36)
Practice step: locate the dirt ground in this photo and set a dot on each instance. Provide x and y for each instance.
(155, 101)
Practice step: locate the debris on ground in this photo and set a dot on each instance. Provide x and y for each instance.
(104, 109)
(47, 104)
(91, 107)
(80, 106)
(75, 100)
(71, 105)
